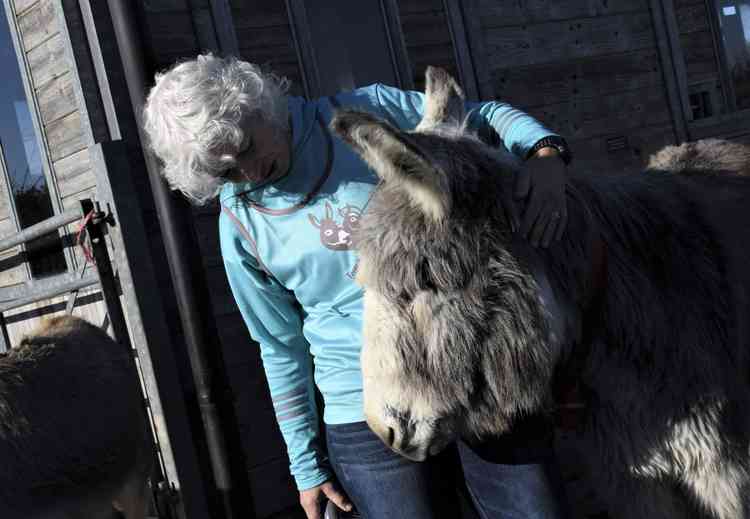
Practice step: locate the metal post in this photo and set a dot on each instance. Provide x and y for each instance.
(111, 294)
(175, 219)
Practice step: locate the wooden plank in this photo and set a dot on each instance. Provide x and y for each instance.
(262, 441)
(205, 30)
(604, 115)
(273, 482)
(698, 72)
(48, 61)
(222, 300)
(85, 81)
(642, 142)
(680, 4)
(423, 55)
(5, 206)
(73, 172)
(261, 13)
(281, 60)
(596, 76)
(397, 44)
(418, 6)
(274, 36)
(237, 346)
(19, 6)
(558, 41)
(692, 18)
(698, 47)
(71, 201)
(38, 24)
(65, 136)
(509, 13)
(56, 98)
(299, 25)
(77, 186)
(430, 28)
(172, 34)
(161, 6)
(207, 233)
(7, 227)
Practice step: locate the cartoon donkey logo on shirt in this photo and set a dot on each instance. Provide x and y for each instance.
(335, 235)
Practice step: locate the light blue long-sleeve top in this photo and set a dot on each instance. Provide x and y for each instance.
(288, 257)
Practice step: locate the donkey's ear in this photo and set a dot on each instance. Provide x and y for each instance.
(394, 156)
(444, 100)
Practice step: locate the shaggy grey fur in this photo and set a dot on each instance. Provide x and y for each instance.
(73, 439)
(465, 325)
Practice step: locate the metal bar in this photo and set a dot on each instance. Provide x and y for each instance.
(107, 282)
(229, 473)
(51, 291)
(41, 228)
(4, 339)
(36, 285)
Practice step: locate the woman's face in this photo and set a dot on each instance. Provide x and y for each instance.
(265, 153)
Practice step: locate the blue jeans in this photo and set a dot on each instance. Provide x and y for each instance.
(384, 485)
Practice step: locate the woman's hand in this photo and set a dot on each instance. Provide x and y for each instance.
(312, 498)
(540, 187)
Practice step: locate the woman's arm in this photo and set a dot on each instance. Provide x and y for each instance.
(539, 186)
(274, 321)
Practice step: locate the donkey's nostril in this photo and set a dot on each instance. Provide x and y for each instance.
(391, 436)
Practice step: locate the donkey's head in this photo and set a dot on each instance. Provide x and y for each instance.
(449, 314)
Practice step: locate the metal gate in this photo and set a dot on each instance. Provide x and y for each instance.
(96, 270)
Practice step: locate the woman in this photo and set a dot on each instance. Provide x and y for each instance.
(291, 195)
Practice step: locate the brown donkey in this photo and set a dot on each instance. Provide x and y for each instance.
(74, 442)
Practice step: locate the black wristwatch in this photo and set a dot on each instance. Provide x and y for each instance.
(553, 141)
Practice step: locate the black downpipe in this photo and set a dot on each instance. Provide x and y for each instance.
(175, 220)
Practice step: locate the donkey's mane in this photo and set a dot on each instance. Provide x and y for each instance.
(663, 263)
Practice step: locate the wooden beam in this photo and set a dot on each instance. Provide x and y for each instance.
(397, 45)
(464, 62)
(673, 68)
(221, 13)
(300, 27)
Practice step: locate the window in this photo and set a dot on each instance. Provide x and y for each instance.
(23, 162)
(734, 28)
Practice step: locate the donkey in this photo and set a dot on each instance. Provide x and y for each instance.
(646, 302)
(74, 442)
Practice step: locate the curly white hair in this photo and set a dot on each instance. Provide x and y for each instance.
(193, 113)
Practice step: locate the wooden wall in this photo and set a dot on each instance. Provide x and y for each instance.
(68, 171)
(701, 63)
(589, 70)
(265, 37)
(177, 30)
(427, 36)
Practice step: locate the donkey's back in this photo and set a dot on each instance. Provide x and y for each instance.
(73, 439)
